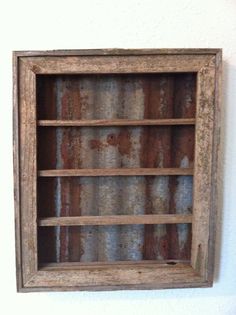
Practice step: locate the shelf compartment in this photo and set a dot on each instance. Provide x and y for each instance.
(116, 220)
(116, 122)
(113, 243)
(116, 147)
(116, 96)
(116, 172)
(122, 195)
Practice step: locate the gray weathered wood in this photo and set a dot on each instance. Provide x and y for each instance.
(116, 122)
(207, 64)
(117, 172)
(120, 219)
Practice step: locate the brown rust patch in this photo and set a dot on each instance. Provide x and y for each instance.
(155, 147)
(95, 144)
(149, 241)
(71, 100)
(183, 145)
(124, 142)
(163, 247)
(112, 139)
(158, 91)
(185, 253)
(185, 96)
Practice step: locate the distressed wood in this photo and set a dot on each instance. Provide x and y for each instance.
(118, 51)
(121, 219)
(118, 64)
(117, 172)
(28, 170)
(216, 168)
(157, 167)
(202, 211)
(16, 166)
(155, 276)
(104, 264)
(116, 122)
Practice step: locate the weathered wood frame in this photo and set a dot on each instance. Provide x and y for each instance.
(207, 64)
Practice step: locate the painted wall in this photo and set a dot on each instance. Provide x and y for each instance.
(68, 24)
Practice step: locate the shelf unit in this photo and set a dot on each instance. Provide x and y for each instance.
(112, 171)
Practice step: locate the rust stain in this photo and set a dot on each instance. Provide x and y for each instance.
(158, 91)
(96, 144)
(124, 142)
(149, 241)
(71, 99)
(163, 247)
(112, 139)
(185, 96)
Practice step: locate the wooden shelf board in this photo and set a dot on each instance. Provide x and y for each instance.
(116, 172)
(116, 122)
(116, 220)
(106, 264)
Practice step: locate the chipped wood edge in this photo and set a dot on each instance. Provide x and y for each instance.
(16, 168)
(200, 284)
(28, 169)
(216, 169)
(204, 264)
(116, 52)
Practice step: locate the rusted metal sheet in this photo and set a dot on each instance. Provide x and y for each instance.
(156, 152)
(182, 156)
(110, 97)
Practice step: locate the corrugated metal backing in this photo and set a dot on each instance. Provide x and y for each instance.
(107, 97)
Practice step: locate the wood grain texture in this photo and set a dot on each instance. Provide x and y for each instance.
(116, 172)
(117, 64)
(28, 173)
(120, 219)
(16, 166)
(118, 51)
(161, 274)
(116, 122)
(207, 64)
(110, 264)
(216, 169)
(202, 211)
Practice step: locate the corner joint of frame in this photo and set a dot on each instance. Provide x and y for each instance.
(28, 65)
(29, 281)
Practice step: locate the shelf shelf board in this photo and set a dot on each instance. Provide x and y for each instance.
(116, 122)
(116, 220)
(116, 172)
(105, 264)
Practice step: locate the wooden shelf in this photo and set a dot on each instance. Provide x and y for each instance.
(104, 264)
(116, 172)
(116, 122)
(116, 220)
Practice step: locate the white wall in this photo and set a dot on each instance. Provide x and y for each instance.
(55, 24)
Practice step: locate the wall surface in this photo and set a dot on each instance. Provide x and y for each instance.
(71, 24)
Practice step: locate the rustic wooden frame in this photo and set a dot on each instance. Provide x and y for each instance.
(130, 275)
